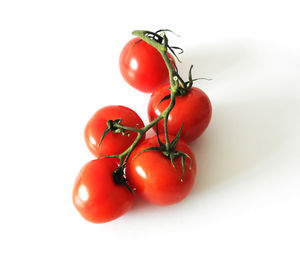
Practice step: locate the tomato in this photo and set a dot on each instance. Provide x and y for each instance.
(193, 110)
(153, 176)
(96, 196)
(142, 66)
(113, 143)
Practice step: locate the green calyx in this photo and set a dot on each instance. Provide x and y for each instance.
(183, 87)
(168, 149)
(113, 126)
(119, 177)
(160, 38)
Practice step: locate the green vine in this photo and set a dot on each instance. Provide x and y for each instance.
(178, 87)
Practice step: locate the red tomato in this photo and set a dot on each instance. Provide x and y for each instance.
(193, 110)
(113, 143)
(96, 196)
(142, 66)
(154, 177)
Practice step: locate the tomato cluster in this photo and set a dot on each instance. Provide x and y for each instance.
(160, 169)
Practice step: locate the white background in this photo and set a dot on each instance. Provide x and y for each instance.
(59, 64)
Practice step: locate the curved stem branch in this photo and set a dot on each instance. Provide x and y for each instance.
(138, 130)
(174, 83)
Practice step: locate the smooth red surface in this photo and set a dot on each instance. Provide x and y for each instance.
(154, 177)
(142, 66)
(95, 195)
(193, 110)
(113, 143)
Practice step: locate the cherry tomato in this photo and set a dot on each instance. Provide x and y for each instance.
(193, 110)
(96, 196)
(153, 176)
(113, 143)
(142, 66)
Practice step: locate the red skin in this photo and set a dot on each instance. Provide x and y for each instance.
(113, 143)
(142, 66)
(154, 177)
(193, 110)
(95, 195)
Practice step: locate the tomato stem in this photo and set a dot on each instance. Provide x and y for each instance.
(174, 77)
(159, 42)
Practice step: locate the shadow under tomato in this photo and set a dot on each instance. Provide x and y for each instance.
(142, 206)
(253, 109)
(139, 204)
(210, 60)
(241, 135)
(249, 123)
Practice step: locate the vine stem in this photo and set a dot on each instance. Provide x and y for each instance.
(174, 84)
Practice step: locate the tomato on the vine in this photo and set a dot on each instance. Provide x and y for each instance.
(153, 176)
(96, 196)
(142, 66)
(113, 143)
(193, 110)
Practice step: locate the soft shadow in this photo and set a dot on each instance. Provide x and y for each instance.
(245, 129)
(140, 204)
(240, 136)
(211, 59)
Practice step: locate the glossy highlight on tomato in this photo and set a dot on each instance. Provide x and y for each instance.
(96, 196)
(113, 143)
(193, 110)
(142, 66)
(153, 176)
